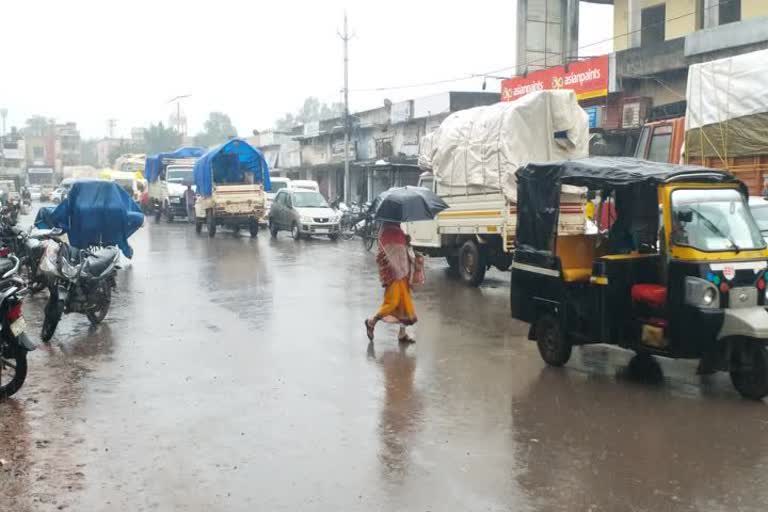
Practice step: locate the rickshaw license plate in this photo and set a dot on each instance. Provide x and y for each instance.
(18, 327)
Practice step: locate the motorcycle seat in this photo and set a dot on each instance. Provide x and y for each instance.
(6, 264)
(101, 259)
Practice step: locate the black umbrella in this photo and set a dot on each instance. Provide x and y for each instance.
(407, 204)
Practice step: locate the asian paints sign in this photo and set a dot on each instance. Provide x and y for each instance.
(587, 78)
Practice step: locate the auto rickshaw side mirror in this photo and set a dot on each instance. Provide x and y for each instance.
(685, 216)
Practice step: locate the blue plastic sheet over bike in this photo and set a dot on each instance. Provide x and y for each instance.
(154, 163)
(96, 212)
(228, 163)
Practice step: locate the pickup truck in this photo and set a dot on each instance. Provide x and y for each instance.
(232, 181)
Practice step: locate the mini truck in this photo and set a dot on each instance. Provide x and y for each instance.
(471, 161)
(168, 175)
(232, 181)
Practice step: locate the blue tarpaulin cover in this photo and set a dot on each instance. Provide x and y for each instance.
(227, 163)
(154, 163)
(96, 212)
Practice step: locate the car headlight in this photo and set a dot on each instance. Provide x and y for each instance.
(701, 293)
(306, 220)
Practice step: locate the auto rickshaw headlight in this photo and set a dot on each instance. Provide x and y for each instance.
(701, 293)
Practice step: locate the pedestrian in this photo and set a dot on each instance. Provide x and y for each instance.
(189, 199)
(395, 268)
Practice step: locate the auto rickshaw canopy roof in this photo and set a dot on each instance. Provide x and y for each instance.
(539, 187)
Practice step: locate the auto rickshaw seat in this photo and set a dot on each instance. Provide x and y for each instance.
(576, 254)
(653, 295)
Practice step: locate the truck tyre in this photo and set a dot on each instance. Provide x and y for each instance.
(272, 228)
(199, 225)
(472, 263)
(253, 227)
(211, 224)
(749, 370)
(554, 347)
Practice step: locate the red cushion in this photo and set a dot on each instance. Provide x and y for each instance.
(652, 294)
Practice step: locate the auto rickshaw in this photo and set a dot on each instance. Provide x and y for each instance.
(679, 271)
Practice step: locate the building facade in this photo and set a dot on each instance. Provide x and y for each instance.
(383, 147)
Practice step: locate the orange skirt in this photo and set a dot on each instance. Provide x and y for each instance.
(398, 304)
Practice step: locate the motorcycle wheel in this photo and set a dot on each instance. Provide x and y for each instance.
(97, 315)
(13, 361)
(368, 237)
(52, 316)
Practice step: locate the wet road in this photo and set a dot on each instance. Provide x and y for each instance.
(234, 375)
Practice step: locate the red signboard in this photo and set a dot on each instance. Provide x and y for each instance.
(588, 78)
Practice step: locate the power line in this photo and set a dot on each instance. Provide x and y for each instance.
(538, 60)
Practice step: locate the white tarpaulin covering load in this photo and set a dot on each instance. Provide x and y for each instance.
(725, 89)
(727, 107)
(480, 149)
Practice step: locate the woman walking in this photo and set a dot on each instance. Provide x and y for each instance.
(395, 261)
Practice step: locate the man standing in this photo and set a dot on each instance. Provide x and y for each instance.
(189, 199)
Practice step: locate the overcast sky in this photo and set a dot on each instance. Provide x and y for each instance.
(91, 60)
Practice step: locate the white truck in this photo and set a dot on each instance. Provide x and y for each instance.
(471, 160)
(166, 193)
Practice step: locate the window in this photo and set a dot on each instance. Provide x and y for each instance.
(652, 25)
(642, 143)
(660, 144)
(729, 11)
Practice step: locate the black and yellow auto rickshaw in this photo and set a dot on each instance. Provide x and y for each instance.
(679, 269)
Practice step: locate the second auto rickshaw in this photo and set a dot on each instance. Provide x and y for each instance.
(679, 269)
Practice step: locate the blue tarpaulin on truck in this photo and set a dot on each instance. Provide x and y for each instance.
(153, 164)
(96, 212)
(228, 163)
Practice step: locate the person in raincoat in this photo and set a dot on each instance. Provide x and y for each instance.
(395, 262)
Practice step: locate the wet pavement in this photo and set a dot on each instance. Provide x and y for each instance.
(234, 375)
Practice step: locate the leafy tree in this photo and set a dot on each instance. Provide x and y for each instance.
(311, 110)
(159, 138)
(217, 129)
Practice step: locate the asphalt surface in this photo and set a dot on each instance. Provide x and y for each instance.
(234, 374)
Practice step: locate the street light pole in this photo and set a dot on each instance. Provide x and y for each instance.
(345, 39)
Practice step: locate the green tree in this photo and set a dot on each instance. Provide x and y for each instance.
(217, 129)
(159, 138)
(311, 110)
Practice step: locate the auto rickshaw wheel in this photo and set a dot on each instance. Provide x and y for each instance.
(555, 349)
(749, 370)
(472, 263)
(211, 224)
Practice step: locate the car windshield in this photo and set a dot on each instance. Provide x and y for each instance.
(760, 214)
(309, 200)
(179, 175)
(278, 185)
(713, 220)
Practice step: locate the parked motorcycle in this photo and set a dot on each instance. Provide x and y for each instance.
(81, 281)
(14, 342)
(28, 247)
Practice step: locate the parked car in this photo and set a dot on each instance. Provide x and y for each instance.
(304, 213)
(759, 207)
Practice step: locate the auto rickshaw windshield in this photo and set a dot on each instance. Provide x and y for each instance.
(713, 220)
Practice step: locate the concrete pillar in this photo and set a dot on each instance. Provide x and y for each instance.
(570, 10)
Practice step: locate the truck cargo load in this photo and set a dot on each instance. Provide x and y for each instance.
(471, 162)
(480, 149)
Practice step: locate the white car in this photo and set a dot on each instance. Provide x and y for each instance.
(58, 195)
(759, 207)
(304, 185)
(34, 192)
(304, 213)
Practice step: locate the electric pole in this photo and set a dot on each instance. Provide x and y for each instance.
(181, 127)
(345, 39)
(111, 124)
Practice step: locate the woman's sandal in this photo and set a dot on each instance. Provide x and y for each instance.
(369, 329)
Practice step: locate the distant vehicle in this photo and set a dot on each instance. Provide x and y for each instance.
(303, 213)
(278, 184)
(168, 175)
(35, 191)
(58, 195)
(759, 208)
(304, 184)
